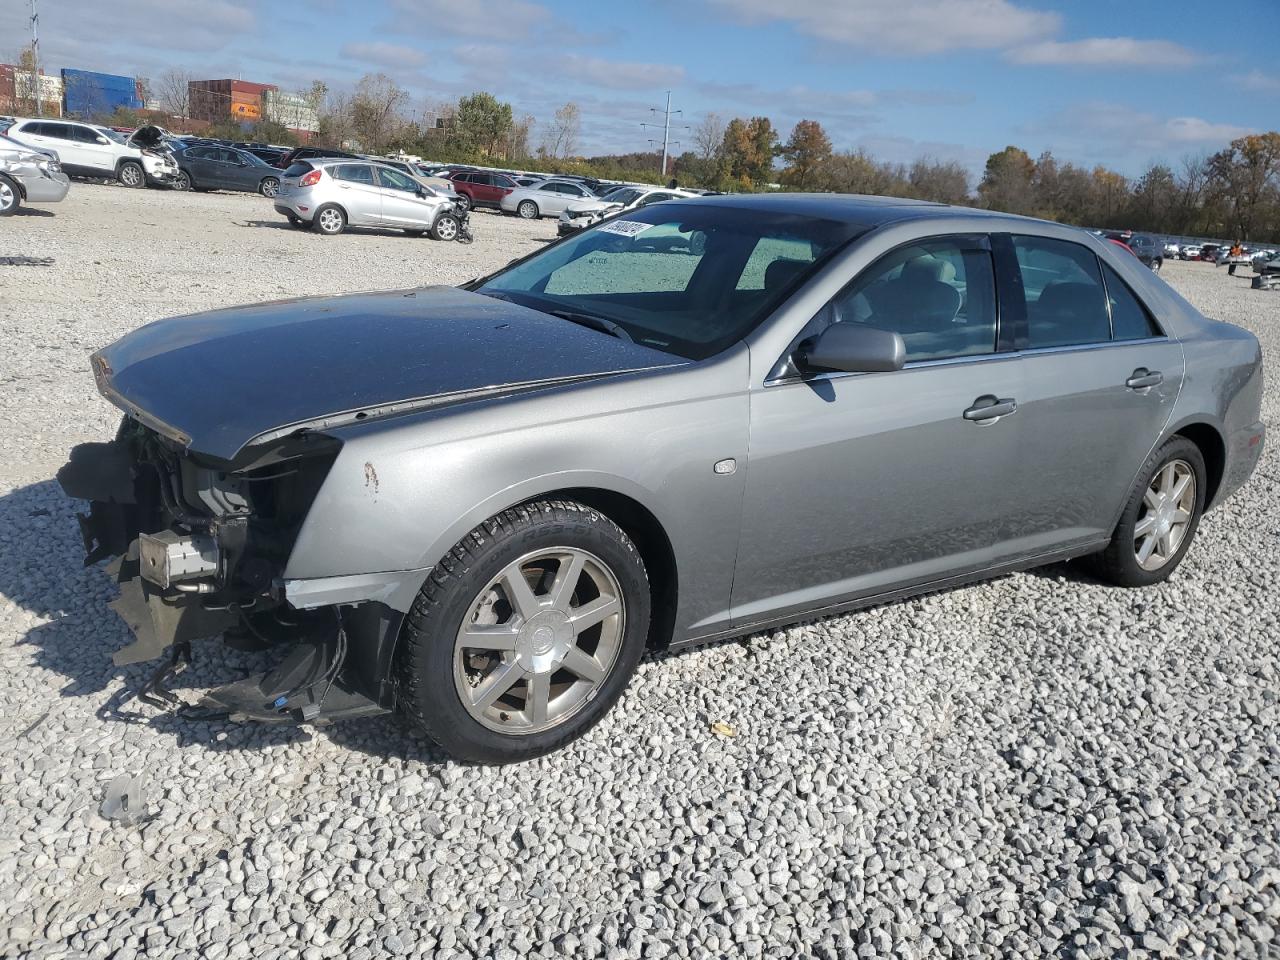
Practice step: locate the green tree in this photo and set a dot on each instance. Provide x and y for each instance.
(1006, 181)
(807, 149)
(746, 159)
(481, 127)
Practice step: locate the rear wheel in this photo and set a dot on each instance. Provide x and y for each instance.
(329, 220)
(10, 197)
(269, 186)
(446, 227)
(1159, 519)
(131, 174)
(528, 210)
(525, 634)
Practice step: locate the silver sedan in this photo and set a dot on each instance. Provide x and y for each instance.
(547, 199)
(478, 506)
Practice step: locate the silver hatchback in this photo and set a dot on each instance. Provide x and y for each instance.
(332, 194)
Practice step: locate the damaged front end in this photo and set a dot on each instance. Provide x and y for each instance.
(199, 547)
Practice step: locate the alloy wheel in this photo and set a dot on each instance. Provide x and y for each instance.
(183, 182)
(130, 175)
(527, 209)
(330, 220)
(1168, 507)
(539, 641)
(7, 196)
(270, 186)
(447, 228)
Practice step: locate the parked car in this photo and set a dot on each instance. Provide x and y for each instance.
(583, 213)
(547, 199)
(479, 506)
(1189, 251)
(480, 188)
(1147, 249)
(28, 176)
(1171, 251)
(226, 168)
(85, 150)
(268, 154)
(329, 194)
(1209, 252)
(528, 181)
(311, 153)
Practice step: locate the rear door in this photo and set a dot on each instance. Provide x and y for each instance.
(55, 136)
(1100, 383)
(359, 193)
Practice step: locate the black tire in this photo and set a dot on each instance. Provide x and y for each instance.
(1156, 264)
(183, 181)
(10, 197)
(131, 174)
(325, 222)
(446, 227)
(1118, 563)
(464, 201)
(269, 186)
(416, 233)
(425, 658)
(527, 210)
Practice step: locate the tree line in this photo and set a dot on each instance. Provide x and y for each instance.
(1233, 193)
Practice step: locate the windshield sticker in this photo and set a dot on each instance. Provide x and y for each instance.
(626, 228)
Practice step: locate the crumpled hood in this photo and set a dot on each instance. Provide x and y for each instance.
(217, 381)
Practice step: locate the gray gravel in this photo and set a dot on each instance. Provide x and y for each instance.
(1038, 766)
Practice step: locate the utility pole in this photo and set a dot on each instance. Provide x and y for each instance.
(35, 57)
(666, 129)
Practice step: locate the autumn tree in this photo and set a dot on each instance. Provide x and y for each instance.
(807, 149)
(942, 181)
(746, 159)
(1245, 176)
(562, 138)
(1006, 181)
(708, 136)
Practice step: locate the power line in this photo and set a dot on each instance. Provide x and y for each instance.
(666, 129)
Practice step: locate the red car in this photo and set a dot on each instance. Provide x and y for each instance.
(480, 189)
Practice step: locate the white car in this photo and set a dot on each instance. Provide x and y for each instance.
(1171, 251)
(547, 199)
(582, 214)
(85, 150)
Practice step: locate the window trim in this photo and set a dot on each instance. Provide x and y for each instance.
(1103, 267)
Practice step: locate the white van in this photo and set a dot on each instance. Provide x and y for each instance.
(88, 151)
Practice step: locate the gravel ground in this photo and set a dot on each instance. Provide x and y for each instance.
(1037, 766)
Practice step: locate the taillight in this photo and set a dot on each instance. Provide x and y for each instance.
(310, 179)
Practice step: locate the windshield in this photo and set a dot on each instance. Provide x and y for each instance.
(110, 134)
(687, 278)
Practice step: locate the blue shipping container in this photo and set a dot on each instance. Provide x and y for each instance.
(87, 94)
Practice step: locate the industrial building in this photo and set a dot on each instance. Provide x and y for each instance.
(291, 110)
(17, 91)
(89, 95)
(216, 100)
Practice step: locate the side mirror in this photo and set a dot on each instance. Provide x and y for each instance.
(853, 348)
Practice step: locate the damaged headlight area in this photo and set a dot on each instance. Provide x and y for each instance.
(198, 548)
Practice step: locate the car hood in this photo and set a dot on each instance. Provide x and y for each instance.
(220, 381)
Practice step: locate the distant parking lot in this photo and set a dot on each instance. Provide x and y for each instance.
(1040, 765)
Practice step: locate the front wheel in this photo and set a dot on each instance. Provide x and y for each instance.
(131, 175)
(525, 634)
(182, 181)
(269, 186)
(1159, 519)
(446, 227)
(10, 197)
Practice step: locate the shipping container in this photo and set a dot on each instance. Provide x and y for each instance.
(215, 100)
(90, 95)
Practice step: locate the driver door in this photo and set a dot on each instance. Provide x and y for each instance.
(402, 202)
(861, 484)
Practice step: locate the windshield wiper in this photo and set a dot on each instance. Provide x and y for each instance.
(594, 322)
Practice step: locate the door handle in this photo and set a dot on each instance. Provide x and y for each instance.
(1142, 378)
(990, 407)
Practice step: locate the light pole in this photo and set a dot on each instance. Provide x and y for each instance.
(666, 128)
(35, 57)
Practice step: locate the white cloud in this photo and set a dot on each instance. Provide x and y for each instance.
(1257, 82)
(1105, 51)
(619, 74)
(471, 18)
(1114, 133)
(905, 26)
(384, 54)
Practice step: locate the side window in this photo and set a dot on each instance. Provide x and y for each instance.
(197, 153)
(1066, 302)
(550, 187)
(85, 135)
(939, 295)
(396, 180)
(572, 190)
(59, 131)
(1129, 318)
(354, 173)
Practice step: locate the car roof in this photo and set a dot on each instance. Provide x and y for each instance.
(858, 209)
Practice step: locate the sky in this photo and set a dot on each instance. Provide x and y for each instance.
(1095, 81)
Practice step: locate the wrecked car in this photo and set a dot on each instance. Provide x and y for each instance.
(478, 506)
